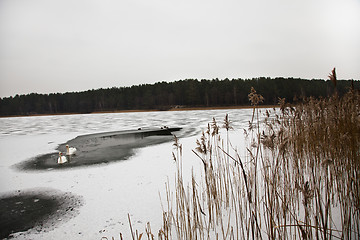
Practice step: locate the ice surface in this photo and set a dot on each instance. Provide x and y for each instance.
(110, 191)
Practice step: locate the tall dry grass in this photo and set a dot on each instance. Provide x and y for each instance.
(300, 179)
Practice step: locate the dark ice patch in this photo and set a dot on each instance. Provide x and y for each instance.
(38, 209)
(100, 148)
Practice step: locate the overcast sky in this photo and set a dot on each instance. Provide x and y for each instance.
(73, 45)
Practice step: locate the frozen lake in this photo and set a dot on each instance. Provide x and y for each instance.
(109, 190)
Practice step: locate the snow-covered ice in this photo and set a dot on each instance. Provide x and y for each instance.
(110, 191)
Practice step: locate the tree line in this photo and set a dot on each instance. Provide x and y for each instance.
(164, 95)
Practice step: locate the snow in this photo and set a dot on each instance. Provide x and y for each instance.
(110, 191)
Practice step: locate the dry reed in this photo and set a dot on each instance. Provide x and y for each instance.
(300, 179)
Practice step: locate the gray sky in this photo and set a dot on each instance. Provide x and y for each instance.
(73, 45)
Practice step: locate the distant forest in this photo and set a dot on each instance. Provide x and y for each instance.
(164, 96)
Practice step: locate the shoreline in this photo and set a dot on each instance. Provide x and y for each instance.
(148, 110)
